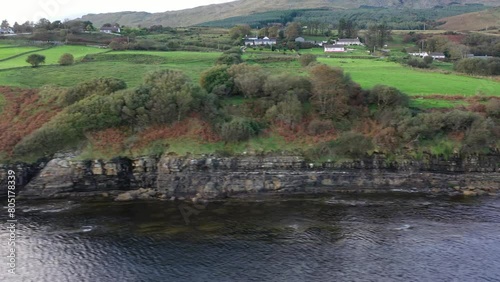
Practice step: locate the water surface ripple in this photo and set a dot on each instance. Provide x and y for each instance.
(342, 238)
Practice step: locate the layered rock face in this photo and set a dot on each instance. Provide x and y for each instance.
(214, 177)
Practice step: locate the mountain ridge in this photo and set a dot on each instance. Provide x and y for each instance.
(473, 21)
(213, 12)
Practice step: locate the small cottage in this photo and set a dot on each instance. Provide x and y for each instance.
(349, 41)
(333, 48)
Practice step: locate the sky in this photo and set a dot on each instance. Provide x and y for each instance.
(32, 10)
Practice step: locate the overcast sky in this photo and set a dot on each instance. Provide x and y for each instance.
(32, 10)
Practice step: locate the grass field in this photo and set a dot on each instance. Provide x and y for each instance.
(132, 65)
(51, 55)
(369, 73)
(189, 62)
(7, 52)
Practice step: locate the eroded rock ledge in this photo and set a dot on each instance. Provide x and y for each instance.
(208, 177)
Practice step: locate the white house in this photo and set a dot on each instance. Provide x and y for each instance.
(419, 54)
(333, 48)
(7, 30)
(348, 41)
(434, 55)
(300, 39)
(254, 41)
(110, 29)
(437, 55)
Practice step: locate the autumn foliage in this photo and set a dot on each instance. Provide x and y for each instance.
(24, 112)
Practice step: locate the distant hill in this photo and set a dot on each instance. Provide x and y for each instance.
(487, 19)
(216, 12)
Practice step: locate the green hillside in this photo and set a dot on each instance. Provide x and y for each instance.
(211, 13)
(404, 18)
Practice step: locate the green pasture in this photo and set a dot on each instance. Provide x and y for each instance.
(7, 52)
(177, 57)
(132, 65)
(369, 73)
(192, 64)
(52, 55)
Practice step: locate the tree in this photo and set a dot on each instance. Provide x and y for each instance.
(347, 29)
(17, 28)
(35, 60)
(273, 31)
(248, 79)
(341, 28)
(279, 86)
(171, 96)
(27, 26)
(263, 32)
(240, 31)
(66, 59)
(386, 97)
(293, 30)
(330, 91)
(350, 29)
(217, 78)
(377, 36)
(5, 24)
(43, 23)
(288, 111)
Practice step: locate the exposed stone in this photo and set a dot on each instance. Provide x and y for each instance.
(469, 193)
(125, 197)
(208, 177)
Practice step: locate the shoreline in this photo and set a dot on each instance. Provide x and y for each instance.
(213, 177)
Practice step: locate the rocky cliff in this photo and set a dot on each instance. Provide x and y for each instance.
(214, 177)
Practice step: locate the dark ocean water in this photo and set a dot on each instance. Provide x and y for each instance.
(341, 238)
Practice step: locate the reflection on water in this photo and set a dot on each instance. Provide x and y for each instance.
(341, 238)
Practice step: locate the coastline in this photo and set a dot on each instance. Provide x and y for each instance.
(214, 177)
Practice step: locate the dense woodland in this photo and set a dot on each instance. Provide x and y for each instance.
(321, 20)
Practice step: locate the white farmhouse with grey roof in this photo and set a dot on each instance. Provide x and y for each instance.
(348, 41)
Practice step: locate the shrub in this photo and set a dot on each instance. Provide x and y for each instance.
(288, 111)
(99, 86)
(248, 79)
(352, 144)
(479, 138)
(386, 97)
(476, 66)
(118, 45)
(217, 78)
(229, 59)
(428, 60)
(279, 86)
(307, 59)
(418, 63)
(319, 127)
(239, 129)
(493, 108)
(66, 59)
